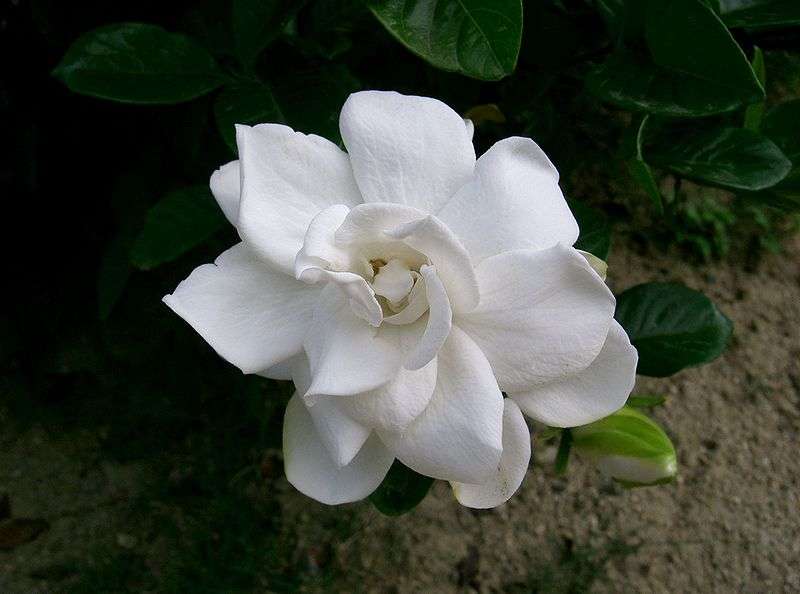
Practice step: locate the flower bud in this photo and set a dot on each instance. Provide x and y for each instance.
(628, 447)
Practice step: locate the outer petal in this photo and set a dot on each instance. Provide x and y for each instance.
(459, 436)
(588, 395)
(543, 315)
(511, 470)
(311, 470)
(287, 178)
(405, 149)
(393, 406)
(225, 185)
(513, 202)
(341, 435)
(347, 355)
(440, 320)
(252, 316)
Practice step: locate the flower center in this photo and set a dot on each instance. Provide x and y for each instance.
(393, 280)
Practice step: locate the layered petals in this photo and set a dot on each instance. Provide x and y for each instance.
(393, 406)
(511, 469)
(512, 202)
(347, 355)
(543, 315)
(404, 149)
(440, 320)
(252, 316)
(287, 178)
(312, 471)
(586, 396)
(459, 435)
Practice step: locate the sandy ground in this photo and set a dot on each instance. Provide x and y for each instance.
(728, 524)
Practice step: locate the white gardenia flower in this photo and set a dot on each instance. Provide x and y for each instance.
(404, 286)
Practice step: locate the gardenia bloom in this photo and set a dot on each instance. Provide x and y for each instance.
(403, 286)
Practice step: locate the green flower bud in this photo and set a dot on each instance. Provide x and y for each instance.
(629, 447)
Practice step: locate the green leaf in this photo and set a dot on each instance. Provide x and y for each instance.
(180, 221)
(672, 327)
(256, 23)
(595, 231)
(646, 400)
(479, 38)
(782, 126)
(728, 157)
(755, 112)
(308, 102)
(637, 167)
(760, 14)
(692, 66)
(401, 491)
(138, 63)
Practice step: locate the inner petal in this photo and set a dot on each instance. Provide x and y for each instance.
(393, 280)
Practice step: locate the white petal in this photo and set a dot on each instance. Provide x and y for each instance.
(251, 315)
(470, 128)
(511, 470)
(588, 395)
(224, 185)
(322, 260)
(513, 202)
(459, 435)
(393, 406)
(312, 471)
(453, 265)
(440, 320)
(543, 315)
(347, 355)
(405, 149)
(287, 178)
(369, 223)
(341, 435)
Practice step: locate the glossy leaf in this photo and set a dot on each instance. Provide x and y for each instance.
(672, 327)
(692, 66)
(256, 23)
(760, 14)
(308, 102)
(138, 63)
(479, 38)
(637, 167)
(755, 112)
(729, 157)
(595, 232)
(646, 400)
(401, 491)
(180, 221)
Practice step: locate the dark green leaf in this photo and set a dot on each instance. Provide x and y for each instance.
(250, 103)
(595, 234)
(401, 491)
(692, 67)
(728, 157)
(646, 400)
(672, 327)
(180, 221)
(760, 14)
(479, 38)
(256, 23)
(138, 63)
(637, 167)
(755, 112)
(308, 102)
(115, 269)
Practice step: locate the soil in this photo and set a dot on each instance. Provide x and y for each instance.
(729, 523)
